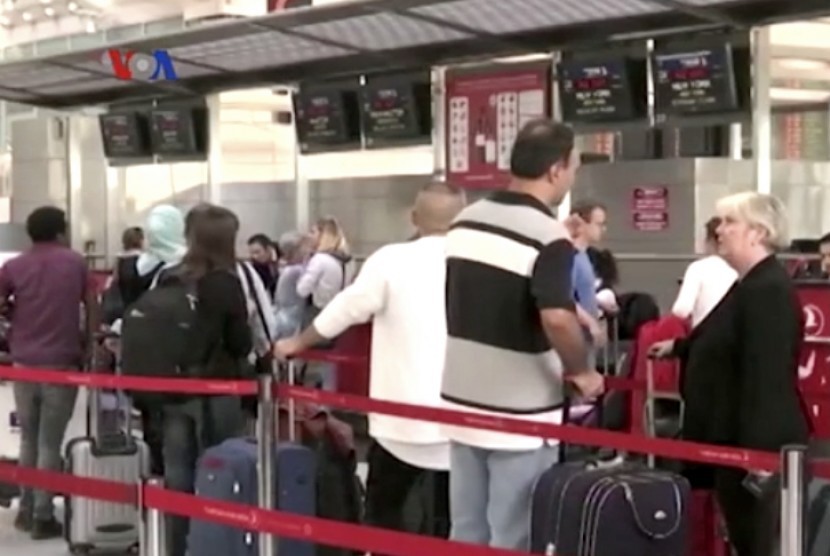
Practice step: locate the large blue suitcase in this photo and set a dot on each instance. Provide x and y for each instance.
(228, 472)
(624, 510)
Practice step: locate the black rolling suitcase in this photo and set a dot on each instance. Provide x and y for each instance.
(582, 508)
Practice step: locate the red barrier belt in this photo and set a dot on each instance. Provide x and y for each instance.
(364, 539)
(324, 356)
(674, 449)
(323, 531)
(142, 384)
(63, 483)
(681, 450)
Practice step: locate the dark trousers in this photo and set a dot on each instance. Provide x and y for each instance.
(752, 522)
(402, 497)
(152, 429)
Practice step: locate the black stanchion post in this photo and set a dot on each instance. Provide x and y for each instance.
(265, 451)
(793, 499)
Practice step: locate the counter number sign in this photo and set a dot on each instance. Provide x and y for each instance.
(129, 65)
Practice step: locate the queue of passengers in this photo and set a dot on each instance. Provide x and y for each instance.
(461, 313)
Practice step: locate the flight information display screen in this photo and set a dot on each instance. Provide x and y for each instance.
(325, 118)
(389, 112)
(696, 81)
(594, 92)
(122, 135)
(172, 132)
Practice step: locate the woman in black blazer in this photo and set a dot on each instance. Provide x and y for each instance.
(740, 367)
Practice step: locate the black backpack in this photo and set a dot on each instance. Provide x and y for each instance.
(156, 330)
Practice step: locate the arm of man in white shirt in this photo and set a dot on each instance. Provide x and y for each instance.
(356, 304)
(685, 302)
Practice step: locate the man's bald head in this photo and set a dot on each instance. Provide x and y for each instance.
(436, 206)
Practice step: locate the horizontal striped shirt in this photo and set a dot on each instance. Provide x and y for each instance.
(508, 258)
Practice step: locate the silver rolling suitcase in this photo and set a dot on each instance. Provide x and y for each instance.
(109, 451)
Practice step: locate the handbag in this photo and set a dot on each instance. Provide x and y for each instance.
(263, 363)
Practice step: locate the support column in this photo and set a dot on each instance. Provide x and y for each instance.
(39, 165)
(736, 151)
(439, 127)
(564, 208)
(302, 188)
(214, 161)
(761, 110)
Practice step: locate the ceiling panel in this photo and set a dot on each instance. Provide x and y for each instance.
(512, 16)
(101, 69)
(77, 87)
(258, 49)
(382, 31)
(36, 74)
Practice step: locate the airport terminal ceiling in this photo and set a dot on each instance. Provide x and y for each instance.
(372, 35)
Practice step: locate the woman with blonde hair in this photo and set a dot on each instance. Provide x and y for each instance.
(328, 271)
(740, 369)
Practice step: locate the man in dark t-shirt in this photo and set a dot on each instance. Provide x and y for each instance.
(46, 287)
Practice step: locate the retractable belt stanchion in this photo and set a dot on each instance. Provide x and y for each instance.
(793, 499)
(154, 538)
(266, 429)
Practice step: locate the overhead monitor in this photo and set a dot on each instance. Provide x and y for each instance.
(695, 80)
(173, 132)
(396, 109)
(124, 135)
(602, 90)
(328, 117)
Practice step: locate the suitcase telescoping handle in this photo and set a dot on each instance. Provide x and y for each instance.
(650, 409)
(123, 413)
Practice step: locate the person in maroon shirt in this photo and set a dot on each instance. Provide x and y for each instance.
(44, 289)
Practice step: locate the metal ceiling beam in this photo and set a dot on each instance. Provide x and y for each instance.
(710, 15)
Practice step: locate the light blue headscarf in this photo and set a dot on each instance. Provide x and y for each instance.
(166, 244)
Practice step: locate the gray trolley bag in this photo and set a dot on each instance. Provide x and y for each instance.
(109, 451)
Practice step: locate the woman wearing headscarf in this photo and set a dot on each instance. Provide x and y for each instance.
(165, 248)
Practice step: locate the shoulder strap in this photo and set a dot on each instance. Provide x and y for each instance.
(249, 279)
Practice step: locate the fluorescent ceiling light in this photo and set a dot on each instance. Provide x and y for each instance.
(802, 64)
(49, 11)
(72, 6)
(799, 95)
(27, 16)
(4, 20)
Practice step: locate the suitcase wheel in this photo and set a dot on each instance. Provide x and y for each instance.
(80, 549)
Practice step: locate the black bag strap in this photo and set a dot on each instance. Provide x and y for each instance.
(249, 279)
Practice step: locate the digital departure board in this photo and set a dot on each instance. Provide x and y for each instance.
(694, 81)
(594, 92)
(123, 136)
(327, 118)
(172, 132)
(396, 109)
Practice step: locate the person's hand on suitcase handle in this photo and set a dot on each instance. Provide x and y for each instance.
(587, 385)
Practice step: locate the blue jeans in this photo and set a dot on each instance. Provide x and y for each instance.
(490, 494)
(188, 430)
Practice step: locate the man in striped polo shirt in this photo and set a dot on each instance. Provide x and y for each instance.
(514, 337)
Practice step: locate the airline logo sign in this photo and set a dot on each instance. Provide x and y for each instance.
(813, 320)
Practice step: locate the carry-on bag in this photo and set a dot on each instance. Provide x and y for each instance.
(109, 451)
(587, 508)
(228, 472)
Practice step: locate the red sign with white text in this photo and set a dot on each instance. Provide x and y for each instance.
(650, 208)
(814, 364)
(485, 109)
